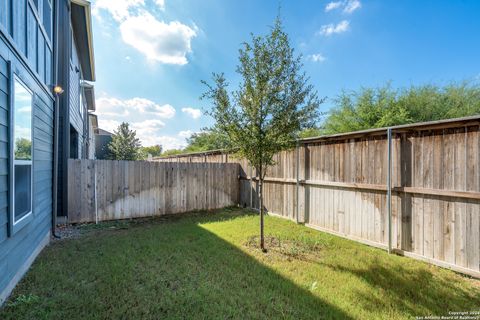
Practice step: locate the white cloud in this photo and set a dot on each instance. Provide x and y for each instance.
(113, 107)
(163, 42)
(118, 9)
(159, 41)
(108, 106)
(143, 105)
(22, 132)
(329, 29)
(160, 4)
(333, 5)
(317, 57)
(351, 6)
(194, 113)
(146, 117)
(168, 142)
(147, 130)
(109, 125)
(186, 134)
(150, 133)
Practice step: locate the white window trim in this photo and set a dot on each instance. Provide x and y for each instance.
(20, 162)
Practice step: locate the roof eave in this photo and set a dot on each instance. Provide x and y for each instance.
(90, 75)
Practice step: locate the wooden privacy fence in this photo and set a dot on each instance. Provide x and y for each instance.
(109, 190)
(338, 184)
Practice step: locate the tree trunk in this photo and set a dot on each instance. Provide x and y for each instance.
(260, 193)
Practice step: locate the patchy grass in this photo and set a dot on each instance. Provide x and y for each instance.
(207, 266)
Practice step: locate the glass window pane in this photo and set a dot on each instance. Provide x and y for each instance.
(23, 190)
(23, 122)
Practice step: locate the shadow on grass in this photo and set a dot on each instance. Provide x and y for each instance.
(413, 291)
(165, 270)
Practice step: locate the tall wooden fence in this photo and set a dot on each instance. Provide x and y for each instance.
(338, 184)
(110, 190)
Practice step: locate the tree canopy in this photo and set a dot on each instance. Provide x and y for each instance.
(154, 151)
(206, 140)
(385, 106)
(272, 105)
(124, 145)
(23, 149)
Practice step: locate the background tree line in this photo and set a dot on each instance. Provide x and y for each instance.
(369, 108)
(363, 109)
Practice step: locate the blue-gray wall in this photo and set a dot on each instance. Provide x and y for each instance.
(77, 121)
(24, 43)
(70, 114)
(101, 145)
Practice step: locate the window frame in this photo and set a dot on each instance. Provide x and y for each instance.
(17, 225)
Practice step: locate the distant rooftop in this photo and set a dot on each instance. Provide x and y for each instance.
(104, 132)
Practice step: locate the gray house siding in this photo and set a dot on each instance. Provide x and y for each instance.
(70, 114)
(76, 120)
(101, 145)
(27, 48)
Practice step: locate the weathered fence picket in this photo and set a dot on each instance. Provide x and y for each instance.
(108, 190)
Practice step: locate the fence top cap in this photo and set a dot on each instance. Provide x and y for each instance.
(437, 124)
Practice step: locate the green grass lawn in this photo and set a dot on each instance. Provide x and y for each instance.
(208, 266)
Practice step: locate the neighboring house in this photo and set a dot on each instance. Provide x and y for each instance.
(37, 126)
(102, 139)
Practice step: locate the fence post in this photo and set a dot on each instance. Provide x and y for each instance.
(298, 180)
(389, 188)
(95, 190)
(300, 186)
(251, 185)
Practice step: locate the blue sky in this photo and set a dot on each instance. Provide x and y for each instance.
(152, 54)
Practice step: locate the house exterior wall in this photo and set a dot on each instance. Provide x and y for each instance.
(101, 145)
(73, 109)
(26, 52)
(78, 112)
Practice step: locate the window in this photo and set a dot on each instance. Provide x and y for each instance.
(22, 151)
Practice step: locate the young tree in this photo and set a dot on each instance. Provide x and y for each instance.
(273, 103)
(124, 145)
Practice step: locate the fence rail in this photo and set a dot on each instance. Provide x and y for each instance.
(338, 184)
(110, 190)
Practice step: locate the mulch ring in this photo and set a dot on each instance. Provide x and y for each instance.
(286, 248)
